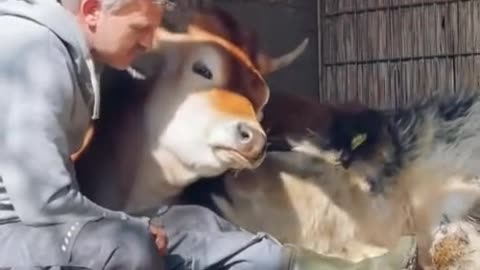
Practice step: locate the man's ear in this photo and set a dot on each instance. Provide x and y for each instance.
(90, 12)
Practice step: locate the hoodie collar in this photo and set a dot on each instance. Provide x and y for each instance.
(62, 23)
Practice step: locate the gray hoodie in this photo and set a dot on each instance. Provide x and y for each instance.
(49, 93)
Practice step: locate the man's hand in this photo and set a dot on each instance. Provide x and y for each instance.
(161, 239)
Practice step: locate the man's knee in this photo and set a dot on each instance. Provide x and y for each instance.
(265, 253)
(128, 245)
(188, 217)
(135, 247)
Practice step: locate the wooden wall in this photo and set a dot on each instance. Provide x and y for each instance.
(386, 53)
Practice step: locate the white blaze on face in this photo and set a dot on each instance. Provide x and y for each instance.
(207, 138)
(195, 116)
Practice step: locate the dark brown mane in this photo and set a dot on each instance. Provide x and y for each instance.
(288, 114)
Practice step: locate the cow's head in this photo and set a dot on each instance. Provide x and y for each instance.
(216, 72)
(207, 99)
(223, 24)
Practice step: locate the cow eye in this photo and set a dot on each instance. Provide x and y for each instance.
(201, 69)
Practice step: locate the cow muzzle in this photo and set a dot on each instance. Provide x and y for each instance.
(241, 144)
(251, 141)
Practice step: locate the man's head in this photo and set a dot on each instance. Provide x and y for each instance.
(117, 30)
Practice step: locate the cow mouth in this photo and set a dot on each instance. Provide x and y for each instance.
(236, 159)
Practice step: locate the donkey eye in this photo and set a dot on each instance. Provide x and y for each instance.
(201, 69)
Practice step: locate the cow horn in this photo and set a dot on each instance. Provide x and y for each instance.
(268, 65)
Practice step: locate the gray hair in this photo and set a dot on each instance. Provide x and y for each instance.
(112, 5)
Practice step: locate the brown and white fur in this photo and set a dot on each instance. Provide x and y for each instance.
(432, 149)
(302, 198)
(305, 197)
(195, 114)
(188, 127)
(146, 149)
(297, 196)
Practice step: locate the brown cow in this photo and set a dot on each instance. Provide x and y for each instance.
(300, 197)
(158, 135)
(304, 197)
(195, 115)
(199, 121)
(297, 197)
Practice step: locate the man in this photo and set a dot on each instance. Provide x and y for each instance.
(50, 93)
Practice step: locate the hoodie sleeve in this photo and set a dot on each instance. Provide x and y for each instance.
(36, 81)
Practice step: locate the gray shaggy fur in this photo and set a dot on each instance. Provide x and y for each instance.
(440, 132)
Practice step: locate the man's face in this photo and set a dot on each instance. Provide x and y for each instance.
(119, 35)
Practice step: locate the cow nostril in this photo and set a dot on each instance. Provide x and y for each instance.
(245, 135)
(245, 132)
